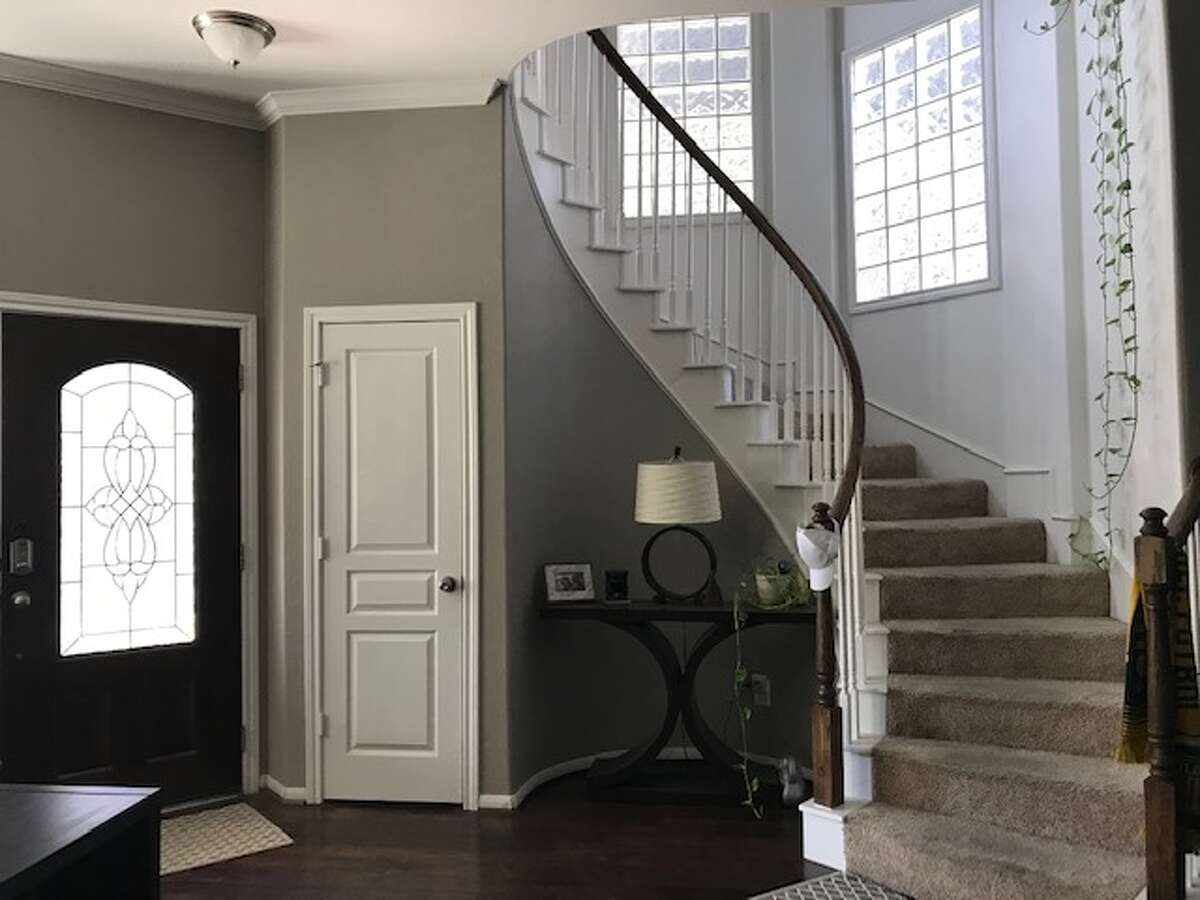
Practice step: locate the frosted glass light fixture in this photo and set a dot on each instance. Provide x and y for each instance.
(233, 37)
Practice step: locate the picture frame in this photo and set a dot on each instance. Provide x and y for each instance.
(569, 583)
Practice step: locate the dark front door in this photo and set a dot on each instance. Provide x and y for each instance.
(120, 610)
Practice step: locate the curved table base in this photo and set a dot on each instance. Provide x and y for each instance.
(681, 704)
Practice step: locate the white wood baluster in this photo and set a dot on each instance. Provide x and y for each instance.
(741, 350)
(839, 391)
(641, 180)
(816, 451)
(604, 184)
(590, 125)
(827, 406)
(691, 258)
(655, 178)
(790, 299)
(574, 88)
(578, 104)
(708, 288)
(769, 353)
(806, 311)
(673, 223)
(618, 165)
(725, 278)
(760, 370)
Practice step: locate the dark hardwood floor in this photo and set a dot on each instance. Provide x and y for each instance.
(557, 845)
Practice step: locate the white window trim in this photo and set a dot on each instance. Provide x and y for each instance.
(760, 85)
(991, 166)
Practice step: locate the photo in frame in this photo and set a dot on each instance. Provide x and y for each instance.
(569, 583)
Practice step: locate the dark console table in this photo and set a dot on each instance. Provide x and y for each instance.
(70, 843)
(641, 621)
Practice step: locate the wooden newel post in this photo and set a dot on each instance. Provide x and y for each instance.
(827, 715)
(1164, 859)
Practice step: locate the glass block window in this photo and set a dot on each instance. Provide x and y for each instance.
(919, 153)
(700, 70)
(126, 561)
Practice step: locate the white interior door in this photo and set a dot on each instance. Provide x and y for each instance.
(393, 465)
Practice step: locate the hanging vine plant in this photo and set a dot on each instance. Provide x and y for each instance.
(1108, 110)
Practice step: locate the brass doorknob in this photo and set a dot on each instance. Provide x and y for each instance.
(448, 585)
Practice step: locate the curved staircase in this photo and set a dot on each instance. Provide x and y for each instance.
(1003, 693)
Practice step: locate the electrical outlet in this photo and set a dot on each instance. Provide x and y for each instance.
(761, 685)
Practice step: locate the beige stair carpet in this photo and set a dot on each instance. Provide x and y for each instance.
(215, 835)
(996, 779)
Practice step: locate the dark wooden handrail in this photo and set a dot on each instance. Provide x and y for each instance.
(1187, 511)
(840, 505)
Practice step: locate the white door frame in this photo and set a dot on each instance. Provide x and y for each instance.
(315, 318)
(246, 326)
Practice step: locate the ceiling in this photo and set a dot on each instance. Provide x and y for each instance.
(338, 43)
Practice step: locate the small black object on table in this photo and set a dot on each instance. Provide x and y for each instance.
(641, 621)
(73, 842)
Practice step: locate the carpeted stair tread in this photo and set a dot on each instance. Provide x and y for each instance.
(958, 541)
(889, 461)
(992, 591)
(1072, 649)
(932, 856)
(923, 498)
(1080, 717)
(1079, 799)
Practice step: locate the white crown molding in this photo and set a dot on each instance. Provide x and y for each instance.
(127, 92)
(372, 97)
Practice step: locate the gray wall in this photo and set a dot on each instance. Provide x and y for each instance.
(108, 202)
(376, 208)
(581, 411)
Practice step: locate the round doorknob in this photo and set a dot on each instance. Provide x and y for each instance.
(22, 598)
(447, 585)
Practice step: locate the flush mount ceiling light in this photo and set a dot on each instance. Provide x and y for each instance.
(233, 37)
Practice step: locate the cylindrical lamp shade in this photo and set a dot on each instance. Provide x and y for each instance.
(677, 492)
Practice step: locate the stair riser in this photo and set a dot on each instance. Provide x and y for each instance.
(890, 461)
(921, 871)
(914, 597)
(1057, 728)
(1111, 820)
(1066, 657)
(1016, 542)
(882, 502)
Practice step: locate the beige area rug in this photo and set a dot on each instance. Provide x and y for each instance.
(214, 835)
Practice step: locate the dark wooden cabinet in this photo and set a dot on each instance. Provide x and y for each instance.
(78, 843)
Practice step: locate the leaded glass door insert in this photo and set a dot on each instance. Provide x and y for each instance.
(126, 575)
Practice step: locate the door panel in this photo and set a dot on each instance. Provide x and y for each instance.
(120, 463)
(393, 460)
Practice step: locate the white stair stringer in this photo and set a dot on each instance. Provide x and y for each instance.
(744, 434)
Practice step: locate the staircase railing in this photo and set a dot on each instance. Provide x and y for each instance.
(726, 278)
(1172, 789)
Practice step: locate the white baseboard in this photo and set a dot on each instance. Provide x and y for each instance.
(283, 792)
(570, 766)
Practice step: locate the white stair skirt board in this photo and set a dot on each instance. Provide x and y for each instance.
(838, 886)
(216, 835)
(824, 838)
